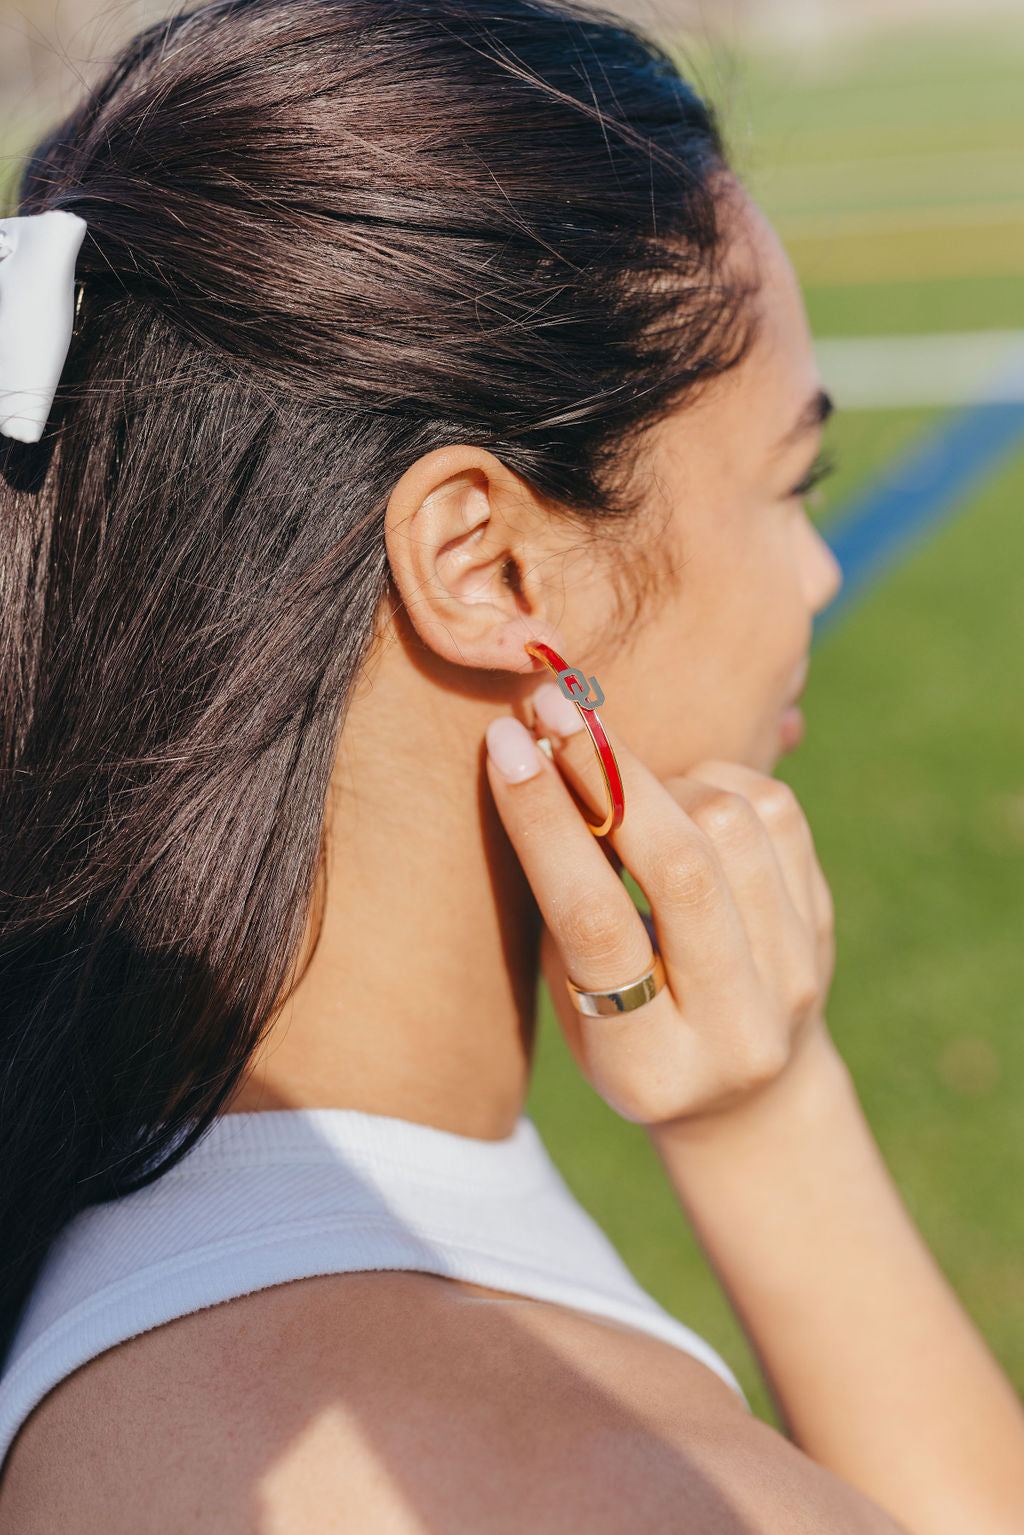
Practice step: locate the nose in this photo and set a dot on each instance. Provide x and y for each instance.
(825, 575)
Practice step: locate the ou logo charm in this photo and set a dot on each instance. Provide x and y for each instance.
(574, 685)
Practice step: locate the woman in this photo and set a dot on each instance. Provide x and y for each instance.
(410, 333)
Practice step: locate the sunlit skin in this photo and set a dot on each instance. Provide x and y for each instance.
(420, 999)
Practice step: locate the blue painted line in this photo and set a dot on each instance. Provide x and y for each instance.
(924, 486)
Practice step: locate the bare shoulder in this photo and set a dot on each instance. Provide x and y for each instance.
(401, 1403)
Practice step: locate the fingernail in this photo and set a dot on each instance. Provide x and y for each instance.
(555, 711)
(512, 749)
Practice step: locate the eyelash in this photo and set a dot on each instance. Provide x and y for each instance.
(823, 466)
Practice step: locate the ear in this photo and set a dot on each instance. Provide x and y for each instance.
(476, 559)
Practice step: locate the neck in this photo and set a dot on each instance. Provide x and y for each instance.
(419, 1000)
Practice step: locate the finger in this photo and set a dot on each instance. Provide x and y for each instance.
(588, 910)
(780, 811)
(555, 975)
(547, 739)
(782, 940)
(701, 934)
(636, 1060)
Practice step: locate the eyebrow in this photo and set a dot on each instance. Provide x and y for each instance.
(814, 414)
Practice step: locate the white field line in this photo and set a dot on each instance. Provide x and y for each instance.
(958, 368)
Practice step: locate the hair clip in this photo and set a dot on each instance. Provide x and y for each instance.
(37, 315)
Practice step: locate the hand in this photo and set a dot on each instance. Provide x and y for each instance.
(740, 907)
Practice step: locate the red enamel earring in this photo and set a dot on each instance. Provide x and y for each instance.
(573, 685)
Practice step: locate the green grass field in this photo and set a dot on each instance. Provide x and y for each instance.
(912, 770)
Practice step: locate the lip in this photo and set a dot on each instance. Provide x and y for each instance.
(792, 727)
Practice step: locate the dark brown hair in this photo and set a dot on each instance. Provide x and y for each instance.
(324, 237)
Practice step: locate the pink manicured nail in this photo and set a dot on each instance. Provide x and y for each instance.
(512, 749)
(555, 711)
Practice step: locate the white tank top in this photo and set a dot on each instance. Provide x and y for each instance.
(268, 1197)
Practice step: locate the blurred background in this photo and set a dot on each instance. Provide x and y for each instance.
(886, 140)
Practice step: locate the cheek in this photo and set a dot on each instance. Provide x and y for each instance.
(753, 634)
(684, 699)
(770, 610)
(705, 677)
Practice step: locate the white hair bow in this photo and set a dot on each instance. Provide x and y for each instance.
(37, 315)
